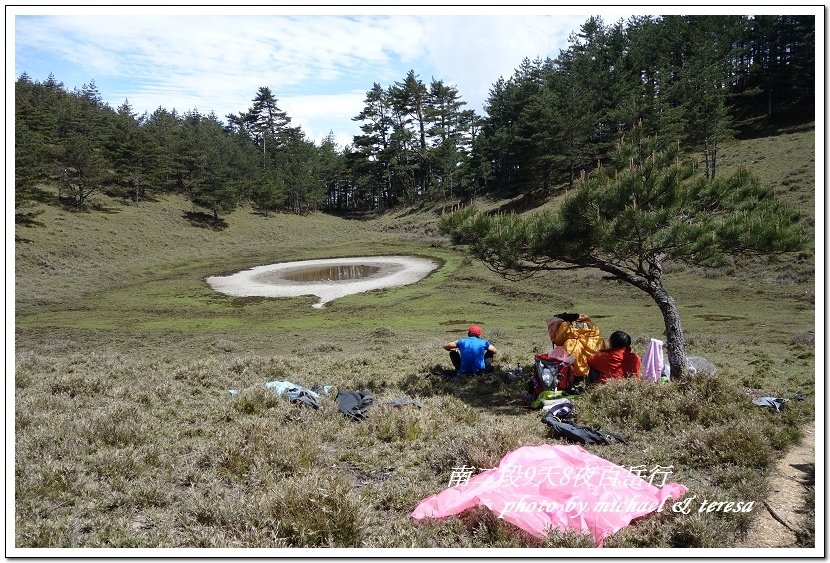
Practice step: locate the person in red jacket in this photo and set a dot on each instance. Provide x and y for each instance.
(614, 362)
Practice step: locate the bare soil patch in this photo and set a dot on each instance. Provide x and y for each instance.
(787, 481)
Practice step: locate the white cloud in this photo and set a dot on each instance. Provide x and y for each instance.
(218, 63)
(473, 52)
(286, 50)
(319, 114)
(315, 65)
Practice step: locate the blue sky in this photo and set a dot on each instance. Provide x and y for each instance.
(318, 61)
(318, 64)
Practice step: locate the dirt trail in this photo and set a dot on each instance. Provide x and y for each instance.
(786, 496)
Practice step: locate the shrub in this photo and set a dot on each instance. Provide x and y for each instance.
(806, 534)
(119, 425)
(739, 442)
(258, 448)
(382, 332)
(407, 424)
(83, 384)
(701, 399)
(258, 400)
(314, 510)
(482, 448)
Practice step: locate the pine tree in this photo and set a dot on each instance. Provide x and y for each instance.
(371, 159)
(82, 166)
(703, 84)
(164, 128)
(132, 151)
(447, 138)
(632, 219)
(332, 172)
(410, 100)
(32, 153)
(210, 173)
(299, 167)
(268, 122)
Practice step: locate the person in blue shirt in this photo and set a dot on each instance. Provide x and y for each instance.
(473, 354)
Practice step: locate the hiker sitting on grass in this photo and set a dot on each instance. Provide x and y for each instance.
(614, 362)
(471, 355)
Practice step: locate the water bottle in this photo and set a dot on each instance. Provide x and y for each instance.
(547, 377)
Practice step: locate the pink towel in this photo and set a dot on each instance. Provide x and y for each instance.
(539, 488)
(653, 361)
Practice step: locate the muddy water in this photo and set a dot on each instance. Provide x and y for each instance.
(342, 272)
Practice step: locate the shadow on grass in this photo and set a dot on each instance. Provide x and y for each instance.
(126, 195)
(491, 391)
(806, 534)
(353, 214)
(520, 204)
(266, 212)
(27, 218)
(71, 204)
(205, 220)
(788, 123)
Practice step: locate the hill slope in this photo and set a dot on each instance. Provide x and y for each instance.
(126, 434)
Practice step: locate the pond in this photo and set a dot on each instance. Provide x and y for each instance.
(332, 273)
(328, 278)
(327, 273)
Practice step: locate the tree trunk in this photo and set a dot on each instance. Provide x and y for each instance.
(714, 160)
(675, 343)
(571, 176)
(706, 158)
(79, 201)
(653, 285)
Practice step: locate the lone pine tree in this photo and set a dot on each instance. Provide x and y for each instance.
(632, 218)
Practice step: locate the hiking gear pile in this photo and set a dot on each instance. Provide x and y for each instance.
(578, 336)
(551, 378)
(561, 409)
(775, 403)
(550, 374)
(354, 404)
(560, 428)
(295, 393)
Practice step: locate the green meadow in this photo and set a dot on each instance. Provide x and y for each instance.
(126, 435)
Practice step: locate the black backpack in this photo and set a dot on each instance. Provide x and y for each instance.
(580, 434)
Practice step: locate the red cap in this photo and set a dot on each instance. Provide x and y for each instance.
(474, 330)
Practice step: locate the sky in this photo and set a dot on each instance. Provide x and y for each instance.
(318, 64)
(318, 61)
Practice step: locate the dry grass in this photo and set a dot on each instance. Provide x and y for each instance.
(126, 435)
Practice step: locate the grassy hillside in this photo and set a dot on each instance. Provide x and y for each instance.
(126, 434)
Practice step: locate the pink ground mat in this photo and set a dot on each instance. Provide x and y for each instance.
(540, 488)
